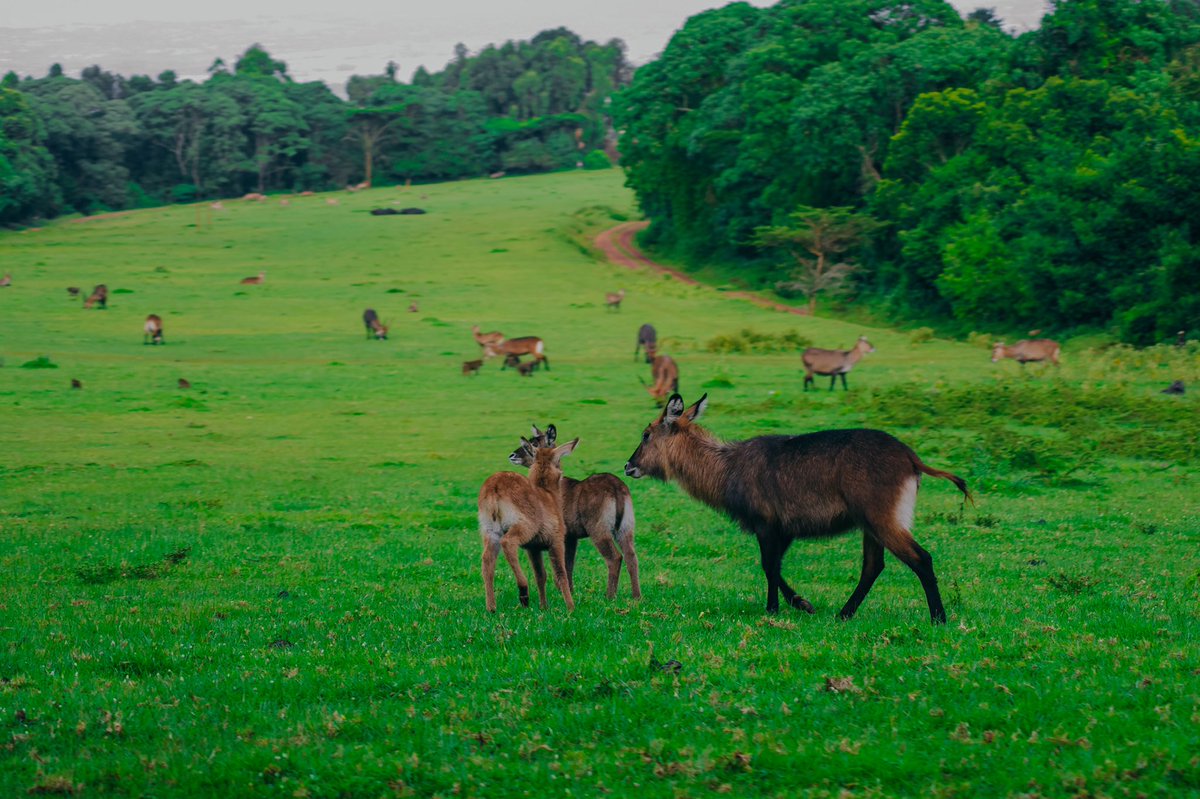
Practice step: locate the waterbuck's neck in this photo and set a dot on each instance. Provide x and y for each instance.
(698, 461)
(855, 355)
(545, 476)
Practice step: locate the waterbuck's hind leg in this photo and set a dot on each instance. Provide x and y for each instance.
(558, 562)
(900, 543)
(631, 566)
(612, 558)
(872, 566)
(539, 575)
(569, 548)
(491, 550)
(510, 543)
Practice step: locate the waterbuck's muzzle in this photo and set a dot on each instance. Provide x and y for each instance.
(632, 471)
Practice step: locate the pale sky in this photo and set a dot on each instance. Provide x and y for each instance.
(149, 36)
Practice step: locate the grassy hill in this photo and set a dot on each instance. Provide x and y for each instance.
(269, 584)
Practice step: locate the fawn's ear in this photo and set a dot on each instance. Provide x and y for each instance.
(551, 435)
(536, 433)
(672, 410)
(693, 413)
(565, 450)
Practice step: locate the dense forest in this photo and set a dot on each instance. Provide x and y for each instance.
(103, 142)
(1047, 180)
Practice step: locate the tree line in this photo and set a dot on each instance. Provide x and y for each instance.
(1048, 180)
(104, 142)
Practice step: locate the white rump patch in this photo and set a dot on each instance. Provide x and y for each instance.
(907, 503)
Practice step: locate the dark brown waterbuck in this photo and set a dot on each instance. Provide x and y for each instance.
(598, 507)
(647, 339)
(375, 328)
(781, 488)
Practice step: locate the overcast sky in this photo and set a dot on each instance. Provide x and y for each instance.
(149, 36)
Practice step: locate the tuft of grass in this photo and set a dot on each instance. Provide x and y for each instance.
(747, 340)
(40, 362)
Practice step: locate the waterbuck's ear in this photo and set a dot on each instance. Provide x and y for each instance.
(693, 413)
(673, 409)
(565, 450)
(536, 432)
(551, 435)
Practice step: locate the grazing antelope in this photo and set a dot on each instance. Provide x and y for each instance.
(153, 330)
(75, 383)
(1027, 350)
(471, 368)
(5, 281)
(331, 201)
(99, 296)
(647, 339)
(613, 299)
(833, 363)
(780, 488)
(305, 194)
(1177, 388)
(73, 291)
(517, 512)
(598, 507)
(665, 373)
(217, 206)
(413, 307)
(374, 326)
(487, 340)
(254, 196)
(525, 345)
(254, 281)
(526, 369)
(184, 384)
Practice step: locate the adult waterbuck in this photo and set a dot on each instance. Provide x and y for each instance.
(780, 488)
(1027, 351)
(517, 512)
(375, 328)
(598, 507)
(647, 339)
(153, 330)
(833, 363)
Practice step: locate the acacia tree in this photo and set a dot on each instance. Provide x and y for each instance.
(813, 239)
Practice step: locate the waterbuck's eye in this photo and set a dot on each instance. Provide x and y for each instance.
(645, 436)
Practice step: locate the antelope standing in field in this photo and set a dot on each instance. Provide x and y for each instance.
(254, 281)
(1027, 351)
(665, 373)
(833, 363)
(73, 291)
(374, 326)
(99, 296)
(613, 299)
(517, 512)
(647, 339)
(471, 368)
(184, 383)
(780, 488)
(5, 281)
(486, 340)
(525, 345)
(598, 507)
(153, 330)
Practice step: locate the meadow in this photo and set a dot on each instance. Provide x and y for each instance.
(268, 585)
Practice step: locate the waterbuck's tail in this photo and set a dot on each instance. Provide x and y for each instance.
(623, 529)
(953, 478)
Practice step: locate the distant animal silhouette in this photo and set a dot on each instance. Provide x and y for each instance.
(527, 369)
(833, 363)
(73, 291)
(153, 330)
(99, 296)
(1181, 338)
(414, 308)
(648, 340)
(384, 212)
(1027, 351)
(1174, 388)
(471, 368)
(75, 383)
(613, 299)
(254, 281)
(374, 326)
(183, 383)
(5, 281)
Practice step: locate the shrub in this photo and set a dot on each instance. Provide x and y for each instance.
(597, 159)
(921, 335)
(749, 340)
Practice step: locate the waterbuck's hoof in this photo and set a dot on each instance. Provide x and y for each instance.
(800, 603)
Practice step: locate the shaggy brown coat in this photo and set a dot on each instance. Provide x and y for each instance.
(781, 488)
(665, 373)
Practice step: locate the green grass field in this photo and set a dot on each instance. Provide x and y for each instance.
(269, 584)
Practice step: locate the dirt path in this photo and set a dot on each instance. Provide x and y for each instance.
(618, 245)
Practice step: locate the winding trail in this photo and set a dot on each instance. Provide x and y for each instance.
(618, 246)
